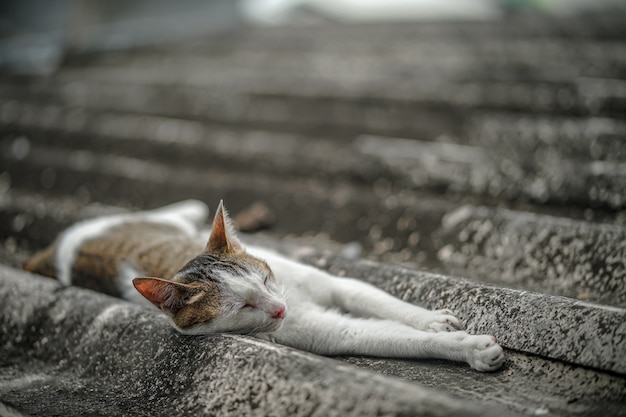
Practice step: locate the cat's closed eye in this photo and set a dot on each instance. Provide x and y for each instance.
(248, 306)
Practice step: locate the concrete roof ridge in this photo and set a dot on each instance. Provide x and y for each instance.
(466, 211)
(122, 359)
(544, 253)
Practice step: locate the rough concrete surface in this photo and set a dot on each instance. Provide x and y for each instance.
(108, 357)
(487, 158)
(572, 258)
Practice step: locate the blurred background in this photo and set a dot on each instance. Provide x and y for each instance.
(482, 139)
(36, 35)
(446, 135)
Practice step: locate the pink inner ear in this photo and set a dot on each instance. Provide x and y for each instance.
(222, 238)
(161, 293)
(218, 240)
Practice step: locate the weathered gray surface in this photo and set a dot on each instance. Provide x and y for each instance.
(360, 139)
(110, 357)
(572, 258)
(528, 384)
(73, 352)
(498, 171)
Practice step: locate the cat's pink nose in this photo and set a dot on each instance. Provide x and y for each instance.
(279, 313)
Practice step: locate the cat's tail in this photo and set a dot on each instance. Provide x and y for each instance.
(42, 262)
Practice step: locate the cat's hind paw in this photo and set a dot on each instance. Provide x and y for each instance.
(483, 353)
(441, 321)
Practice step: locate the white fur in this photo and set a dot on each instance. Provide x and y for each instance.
(189, 214)
(73, 238)
(186, 215)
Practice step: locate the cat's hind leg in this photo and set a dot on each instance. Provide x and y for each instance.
(193, 211)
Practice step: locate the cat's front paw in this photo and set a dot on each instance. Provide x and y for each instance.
(440, 321)
(483, 353)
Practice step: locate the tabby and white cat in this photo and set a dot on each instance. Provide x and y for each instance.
(225, 287)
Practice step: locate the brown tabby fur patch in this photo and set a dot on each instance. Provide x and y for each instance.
(154, 249)
(203, 310)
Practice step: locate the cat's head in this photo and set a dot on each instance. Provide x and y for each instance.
(223, 289)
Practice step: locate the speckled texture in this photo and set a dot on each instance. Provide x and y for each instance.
(554, 327)
(526, 384)
(537, 252)
(72, 352)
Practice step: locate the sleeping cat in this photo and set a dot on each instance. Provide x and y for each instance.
(225, 287)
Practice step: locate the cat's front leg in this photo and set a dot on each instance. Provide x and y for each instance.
(365, 300)
(483, 353)
(434, 321)
(330, 333)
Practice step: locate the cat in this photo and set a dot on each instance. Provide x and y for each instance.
(159, 258)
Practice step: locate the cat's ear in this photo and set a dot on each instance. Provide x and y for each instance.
(169, 296)
(222, 239)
